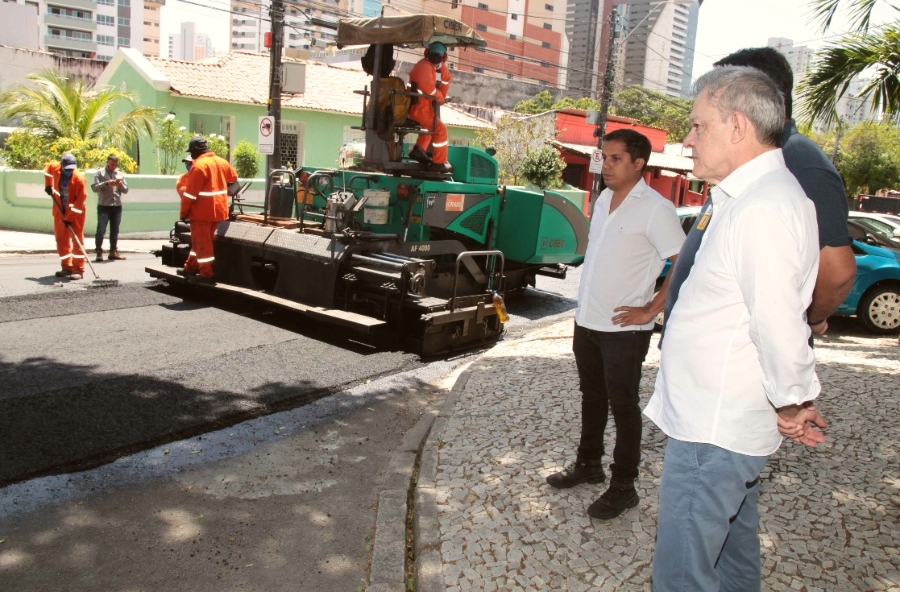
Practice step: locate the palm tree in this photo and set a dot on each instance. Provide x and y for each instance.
(839, 63)
(860, 12)
(57, 106)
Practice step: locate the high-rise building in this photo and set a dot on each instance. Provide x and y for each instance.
(525, 40)
(797, 56)
(92, 28)
(588, 27)
(852, 110)
(658, 38)
(26, 33)
(304, 28)
(190, 45)
(151, 27)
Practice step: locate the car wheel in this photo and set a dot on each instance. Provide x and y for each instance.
(879, 310)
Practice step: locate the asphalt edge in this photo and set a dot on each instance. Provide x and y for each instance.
(397, 498)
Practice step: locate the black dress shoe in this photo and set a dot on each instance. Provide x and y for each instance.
(617, 499)
(419, 155)
(577, 473)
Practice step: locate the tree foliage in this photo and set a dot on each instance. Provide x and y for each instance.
(218, 144)
(56, 106)
(841, 62)
(860, 53)
(541, 102)
(514, 138)
(645, 106)
(656, 110)
(860, 12)
(870, 158)
(171, 143)
(544, 168)
(246, 159)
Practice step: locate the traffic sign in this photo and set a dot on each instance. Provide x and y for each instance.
(596, 161)
(266, 141)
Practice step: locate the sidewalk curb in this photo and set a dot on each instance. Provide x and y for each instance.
(429, 568)
(387, 572)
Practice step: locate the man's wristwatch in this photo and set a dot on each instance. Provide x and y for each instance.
(814, 323)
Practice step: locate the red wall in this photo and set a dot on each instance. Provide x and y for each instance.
(574, 129)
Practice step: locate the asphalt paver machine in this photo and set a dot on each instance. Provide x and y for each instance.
(393, 246)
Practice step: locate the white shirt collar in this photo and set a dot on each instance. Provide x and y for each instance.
(745, 175)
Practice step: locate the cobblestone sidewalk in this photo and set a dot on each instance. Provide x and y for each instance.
(829, 516)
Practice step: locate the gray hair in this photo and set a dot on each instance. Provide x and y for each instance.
(749, 91)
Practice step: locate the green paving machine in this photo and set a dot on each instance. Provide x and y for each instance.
(393, 246)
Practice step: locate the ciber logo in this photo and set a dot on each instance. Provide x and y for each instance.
(452, 25)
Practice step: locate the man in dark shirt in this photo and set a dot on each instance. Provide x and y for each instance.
(821, 183)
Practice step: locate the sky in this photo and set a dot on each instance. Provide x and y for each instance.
(724, 25)
(728, 25)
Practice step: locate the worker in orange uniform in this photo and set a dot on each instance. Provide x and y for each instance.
(430, 77)
(204, 202)
(181, 183)
(66, 187)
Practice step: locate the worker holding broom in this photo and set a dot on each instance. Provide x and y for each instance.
(68, 190)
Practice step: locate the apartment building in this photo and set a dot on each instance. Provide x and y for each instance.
(305, 26)
(151, 39)
(657, 44)
(190, 45)
(588, 27)
(88, 28)
(798, 56)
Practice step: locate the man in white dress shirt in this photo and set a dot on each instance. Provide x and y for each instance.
(633, 231)
(735, 355)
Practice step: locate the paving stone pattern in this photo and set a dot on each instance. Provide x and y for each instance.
(829, 516)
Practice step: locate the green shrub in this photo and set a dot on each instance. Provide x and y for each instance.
(89, 154)
(218, 144)
(30, 151)
(246, 159)
(25, 150)
(544, 168)
(171, 142)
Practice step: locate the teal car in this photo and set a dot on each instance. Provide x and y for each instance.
(875, 296)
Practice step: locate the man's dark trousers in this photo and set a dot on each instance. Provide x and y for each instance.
(113, 216)
(609, 371)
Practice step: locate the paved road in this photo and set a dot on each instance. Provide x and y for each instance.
(284, 500)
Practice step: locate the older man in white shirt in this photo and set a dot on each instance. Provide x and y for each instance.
(735, 355)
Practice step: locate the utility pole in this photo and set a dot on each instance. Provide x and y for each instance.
(606, 94)
(276, 11)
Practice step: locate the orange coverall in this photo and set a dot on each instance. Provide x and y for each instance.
(71, 255)
(424, 75)
(204, 201)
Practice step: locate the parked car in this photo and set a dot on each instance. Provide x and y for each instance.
(875, 296)
(887, 226)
